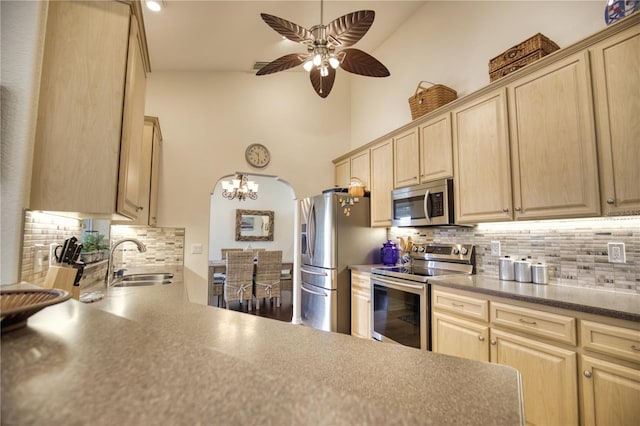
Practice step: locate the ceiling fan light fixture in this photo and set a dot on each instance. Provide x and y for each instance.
(317, 59)
(154, 5)
(308, 65)
(324, 71)
(334, 62)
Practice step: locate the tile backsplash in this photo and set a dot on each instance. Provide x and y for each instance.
(574, 250)
(165, 246)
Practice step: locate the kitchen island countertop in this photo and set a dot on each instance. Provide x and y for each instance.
(146, 355)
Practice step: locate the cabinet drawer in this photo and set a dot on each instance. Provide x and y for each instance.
(539, 323)
(461, 305)
(360, 281)
(611, 340)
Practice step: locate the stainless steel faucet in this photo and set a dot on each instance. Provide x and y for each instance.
(141, 248)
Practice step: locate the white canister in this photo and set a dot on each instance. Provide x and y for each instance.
(505, 269)
(522, 270)
(539, 273)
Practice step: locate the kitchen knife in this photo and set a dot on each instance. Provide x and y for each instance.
(68, 250)
(76, 254)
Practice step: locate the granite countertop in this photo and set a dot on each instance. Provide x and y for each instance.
(145, 355)
(624, 306)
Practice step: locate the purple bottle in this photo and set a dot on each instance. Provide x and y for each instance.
(389, 253)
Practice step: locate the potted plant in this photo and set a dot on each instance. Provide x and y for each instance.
(93, 247)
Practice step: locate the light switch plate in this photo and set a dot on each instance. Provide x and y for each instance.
(616, 253)
(495, 248)
(196, 248)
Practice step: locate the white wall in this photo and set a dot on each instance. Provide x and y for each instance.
(22, 36)
(208, 120)
(451, 43)
(273, 195)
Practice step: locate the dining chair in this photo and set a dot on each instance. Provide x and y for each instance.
(267, 279)
(238, 281)
(224, 251)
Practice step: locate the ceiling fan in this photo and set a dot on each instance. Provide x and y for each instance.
(322, 59)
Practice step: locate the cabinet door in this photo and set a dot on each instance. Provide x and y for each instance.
(553, 146)
(615, 65)
(360, 167)
(481, 160)
(610, 393)
(458, 337)
(78, 131)
(381, 183)
(360, 305)
(156, 158)
(343, 173)
(130, 179)
(549, 379)
(406, 155)
(436, 151)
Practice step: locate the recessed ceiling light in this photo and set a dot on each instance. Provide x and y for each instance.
(154, 5)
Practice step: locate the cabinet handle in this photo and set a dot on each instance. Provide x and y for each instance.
(517, 209)
(587, 374)
(522, 320)
(139, 208)
(635, 348)
(457, 305)
(481, 338)
(610, 201)
(505, 210)
(493, 341)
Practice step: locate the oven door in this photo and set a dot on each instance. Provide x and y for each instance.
(400, 312)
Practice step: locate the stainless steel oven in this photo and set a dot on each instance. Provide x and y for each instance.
(400, 295)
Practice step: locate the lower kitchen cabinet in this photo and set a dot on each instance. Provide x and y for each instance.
(610, 393)
(548, 372)
(552, 357)
(360, 304)
(458, 337)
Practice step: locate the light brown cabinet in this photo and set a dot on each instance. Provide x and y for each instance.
(342, 173)
(455, 336)
(360, 167)
(406, 159)
(89, 105)
(436, 149)
(360, 304)
(614, 63)
(152, 131)
(553, 145)
(481, 160)
(381, 183)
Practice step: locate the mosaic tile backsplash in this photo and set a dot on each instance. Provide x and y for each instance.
(165, 246)
(575, 251)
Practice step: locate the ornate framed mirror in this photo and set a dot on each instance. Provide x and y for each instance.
(254, 225)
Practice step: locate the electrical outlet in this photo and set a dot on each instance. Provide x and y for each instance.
(196, 248)
(495, 248)
(616, 253)
(40, 257)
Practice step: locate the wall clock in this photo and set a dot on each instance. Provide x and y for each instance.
(257, 155)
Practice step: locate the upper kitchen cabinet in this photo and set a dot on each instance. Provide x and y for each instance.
(91, 108)
(342, 171)
(615, 63)
(436, 155)
(152, 132)
(553, 146)
(360, 167)
(381, 182)
(406, 156)
(481, 160)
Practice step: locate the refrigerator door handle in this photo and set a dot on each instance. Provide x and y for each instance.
(311, 229)
(322, 274)
(313, 292)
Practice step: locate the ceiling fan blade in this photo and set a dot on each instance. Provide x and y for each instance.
(322, 85)
(347, 30)
(293, 32)
(358, 62)
(282, 63)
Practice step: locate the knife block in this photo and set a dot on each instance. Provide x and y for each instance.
(62, 277)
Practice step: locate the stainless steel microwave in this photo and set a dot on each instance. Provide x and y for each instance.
(427, 204)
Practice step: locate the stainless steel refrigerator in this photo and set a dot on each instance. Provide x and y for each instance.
(331, 240)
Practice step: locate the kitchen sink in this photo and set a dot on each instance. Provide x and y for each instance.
(135, 280)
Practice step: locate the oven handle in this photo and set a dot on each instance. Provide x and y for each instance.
(313, 292)
(419, 287)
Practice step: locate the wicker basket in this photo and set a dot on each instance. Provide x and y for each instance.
(514, 66)
(427, 99)
(524, 53)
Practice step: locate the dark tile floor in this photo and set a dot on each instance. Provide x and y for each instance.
(269, 309)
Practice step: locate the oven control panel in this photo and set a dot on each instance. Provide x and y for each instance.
(444, 252)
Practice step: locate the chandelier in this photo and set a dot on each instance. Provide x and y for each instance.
(240, 187)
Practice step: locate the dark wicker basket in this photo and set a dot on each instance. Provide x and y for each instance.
(427, 99)
(520, 55)
(17, 306)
